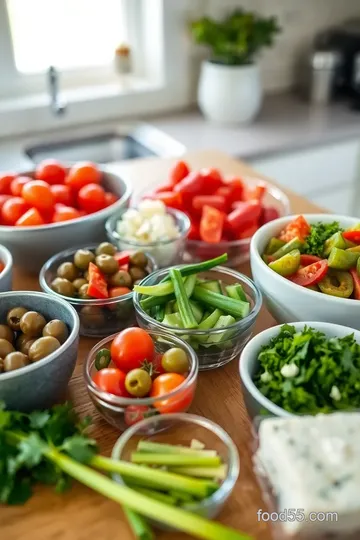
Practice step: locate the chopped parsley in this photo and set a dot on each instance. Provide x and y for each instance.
(319, 233)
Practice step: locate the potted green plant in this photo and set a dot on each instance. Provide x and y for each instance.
(230, 89)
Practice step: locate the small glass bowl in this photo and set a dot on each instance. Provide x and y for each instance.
(166, 252)
(98, 318)
(234, 337)
(182, 429)
(122, 412)
(237, 250)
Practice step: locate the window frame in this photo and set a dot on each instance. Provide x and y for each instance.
(157, 82)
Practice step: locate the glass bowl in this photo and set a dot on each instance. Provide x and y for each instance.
(166, 252)
(232, 340)
(182, 429)
(122, 412)
(237, 250)
(98, 318)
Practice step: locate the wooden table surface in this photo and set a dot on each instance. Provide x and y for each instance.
(81, 514)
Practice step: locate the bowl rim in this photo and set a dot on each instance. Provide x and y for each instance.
(6, 258)
(252, 348)
(73, 336)
(104, 213)
(125, 401)
(179, 216)
(238, 325)
(233, 472)
(312, 218)
(83, 301)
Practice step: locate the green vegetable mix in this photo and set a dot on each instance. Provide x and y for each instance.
(319, 233)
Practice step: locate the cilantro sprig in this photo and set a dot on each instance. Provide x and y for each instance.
(319, 233)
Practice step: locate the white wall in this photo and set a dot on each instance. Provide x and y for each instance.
(300, 20)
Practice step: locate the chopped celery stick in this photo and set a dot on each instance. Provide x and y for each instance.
(196, 268)
(175, 459)
(208, 323)
(173, 319)
(197, 310)
(153, 447)
(216, 473)
(157, 495)
(159, 313)
(237, 292)
(189, 285)
(223, 322)
(213, 285)
(197, 445)
(152, 301)
(161, 289)
(236, 308)
(207, 314)
(139, 526)
(181, 497)
(185, 310)
(169, 308)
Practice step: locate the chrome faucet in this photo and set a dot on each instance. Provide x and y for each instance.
(57, 105)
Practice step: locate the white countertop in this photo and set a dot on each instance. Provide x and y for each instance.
(285, 124)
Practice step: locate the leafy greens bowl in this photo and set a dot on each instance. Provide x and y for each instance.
(306, 372)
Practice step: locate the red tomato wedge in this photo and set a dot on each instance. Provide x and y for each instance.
(216, 201)
(244, 213)
(268, 214)
(97, 283)
(211, 224)
(306, 260)
(179, 171)
(193, 184)
(310, 275)
(356, 280)
(212, 181)
(298, 228)
(122, 257)
(352, 236)
(169, 198)
(257, 193)
(2, 266)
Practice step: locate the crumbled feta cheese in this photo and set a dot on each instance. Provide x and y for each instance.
(335, 393)
(265, 377)
(289, 370)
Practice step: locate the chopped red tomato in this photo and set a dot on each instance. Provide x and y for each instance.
(352, 236)
(169, 198)
(97, 283)
(224, 191)
(237, 189)
(212, 181)
(211, 224)
(248, 231)
(310, 275)
(306, 260)
(243, 213)
(193, 184)
(179, 171)
(216, 201)
(257, 193)
(298, 228)
(31, 218)
(194, 233)
(268, 214)
(161, 189)
(122, 257)
(356, 280)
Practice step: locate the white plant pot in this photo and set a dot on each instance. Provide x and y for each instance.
(230, 94)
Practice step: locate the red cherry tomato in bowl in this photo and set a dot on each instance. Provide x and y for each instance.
(13, 209)
(111, 380)
(5, 182)
(166, 383)
(130, 348)
(62, 194)
(18, 184)
(310, 275)
(65, 213)
(82, 174)
(136, 413)
(51, 171)
(38, 194)
(91, 198)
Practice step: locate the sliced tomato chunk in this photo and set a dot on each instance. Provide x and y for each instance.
(179, 171)
(169, 198)
(356, 280)
(298, 228)
(244, 213)
(268, 214)
(97, 283)
(352, 236)
(211, 224)
(257, 193)
(194, 233)
(310, 275)
(306, 260)
(216, 201)
(122, 257)
(237, 189)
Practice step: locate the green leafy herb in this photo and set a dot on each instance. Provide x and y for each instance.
(322, 365)
(319, 233)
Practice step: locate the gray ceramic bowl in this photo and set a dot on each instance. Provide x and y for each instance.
(41, 384)
(256, 403)
(32, 246)
(6, 274)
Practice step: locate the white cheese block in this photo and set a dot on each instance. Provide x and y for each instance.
(312, 464)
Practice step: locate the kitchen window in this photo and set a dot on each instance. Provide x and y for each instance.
(79, 38)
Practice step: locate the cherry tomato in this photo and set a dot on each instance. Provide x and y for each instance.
(154, 367)
(310, 275)
(3, 198)
(352, 236)
(118, 291)
(13, 209)
(178, 172)
(5, 182)
(37, 193)
(31, 218)
(82, 174)
(136, 413)
(131, 348)
(298, 228)
(17, 185)
(51, 171)
(166, 383)
(2, 266)
(65, 213)
(62, 194)
(91, 198)
(110, 198)
(111, 380)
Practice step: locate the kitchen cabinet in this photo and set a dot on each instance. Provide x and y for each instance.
(328, 175)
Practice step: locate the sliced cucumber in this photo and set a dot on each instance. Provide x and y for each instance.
(223, 322)
(236, 292)
(197, 310)
(213, 285)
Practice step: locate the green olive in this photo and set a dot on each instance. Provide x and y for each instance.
(56, 329)
(1, 365)
(43, 347)
(5, 348)
(83, 291)
(32, 323)
(13, 317)
(107, 264)
(138, 382)
(23, 343)
(102, 359)
(63, 286)
(15, 360)
(68, 271)
(92, 317)
(82, 258)
(175, 360)
(137, 273)
(79, 282)
(139, 259)
(6, 333)
(105, 248)
(121, 279)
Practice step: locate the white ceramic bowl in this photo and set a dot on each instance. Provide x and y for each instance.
(256, 403)
(6, 274)
(288, 302)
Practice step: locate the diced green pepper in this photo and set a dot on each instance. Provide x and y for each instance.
(274, 245)
(336, 240)
(354, 249)
(313, 288)
(358, 267)
(337, 283)
(339, 259)
(288, 264)
(295, 243)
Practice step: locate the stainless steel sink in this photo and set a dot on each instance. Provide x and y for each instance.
(128, 142)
